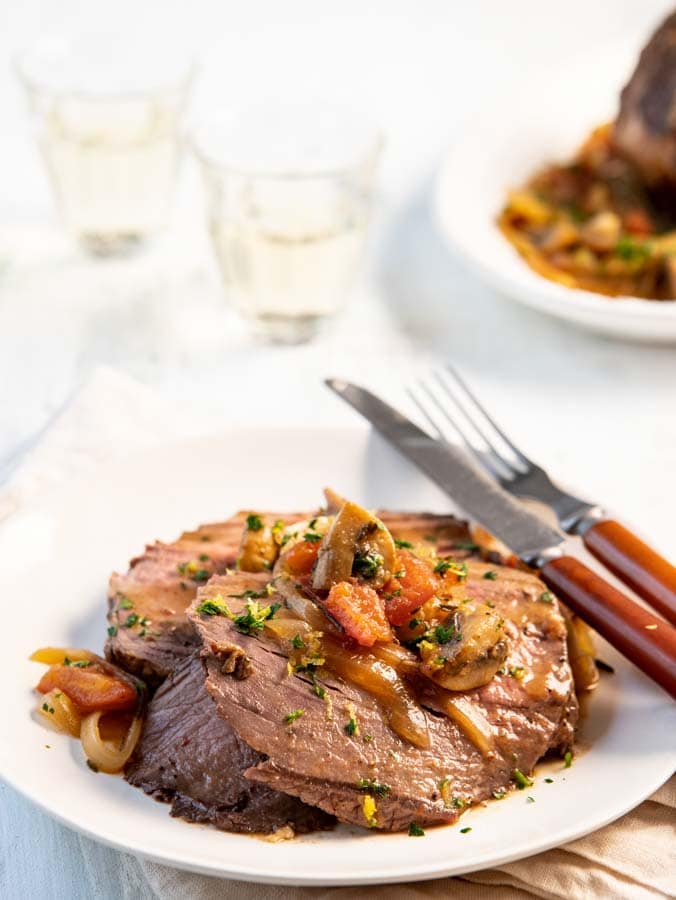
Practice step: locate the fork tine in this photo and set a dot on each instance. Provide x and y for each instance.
(504, 461)
(523, 459)
(485, 460)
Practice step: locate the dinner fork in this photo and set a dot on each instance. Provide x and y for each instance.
(445, 400)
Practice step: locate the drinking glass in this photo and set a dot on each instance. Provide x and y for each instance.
(289, 192)
(108, 116)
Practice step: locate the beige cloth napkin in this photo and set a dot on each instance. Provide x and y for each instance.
(633, 859)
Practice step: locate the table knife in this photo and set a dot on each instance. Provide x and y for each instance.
(641, 636)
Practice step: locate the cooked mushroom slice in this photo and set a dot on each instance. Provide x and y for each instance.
(356, 544)
(466, 650)
(258, 548)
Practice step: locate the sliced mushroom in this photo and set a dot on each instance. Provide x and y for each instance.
(466, 649)
(357, 543)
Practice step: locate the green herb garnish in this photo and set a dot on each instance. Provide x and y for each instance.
(203, 557)
(629, 249)
(568, 760)
(444, 565)
(465, 830)
(491, 575)
(254, 522)
(367, 564)
(522, 781)
(125, 603)
(131, 620)
(112, 630)
(402, 545)
(499, 795)
(517, 672)
(549, 781)
(442, 634)
(373, 787)
(546, 597)
(312, 537)
(352, 727)
(292, 716)
(415, 830)
(297, 642)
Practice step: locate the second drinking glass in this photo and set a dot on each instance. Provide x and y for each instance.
(288, 193)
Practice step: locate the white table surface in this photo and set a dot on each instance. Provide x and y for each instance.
(600, 413)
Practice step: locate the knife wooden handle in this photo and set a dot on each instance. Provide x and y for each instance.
(645, 639)
(636, 564)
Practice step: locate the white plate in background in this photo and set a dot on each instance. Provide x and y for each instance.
(542, 120)
(56, 558)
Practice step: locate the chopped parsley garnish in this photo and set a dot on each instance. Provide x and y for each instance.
(629, 249)
(568, 760)
(80, 664)
(530, 799)
(255, 617)
(131, 620)
(458, 803)
(252, 595)
(522, 781)
(444, 565)
(352, 727)
(248, 622)
(465, 830)
(292, 716)
(213, 608)
(201, 575)
(254, 522)
(373, 787)
(517, 672)
(318, 689)
(367, 564)
(491, 575)
(414, 623)
(465, 545)
(546, 597)
(549, 781)
(444, 633)
(402, 545)
(414, 830)
(312, 523)
(203, 557)
(297, 642)
(312, 537)
(112, 630)
(125, 603)
(47, 708)
(499, 795)
(368, 738)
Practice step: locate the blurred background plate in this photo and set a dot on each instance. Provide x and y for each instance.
(542, 120)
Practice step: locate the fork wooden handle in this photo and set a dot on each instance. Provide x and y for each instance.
(645, 639)
(636, 564)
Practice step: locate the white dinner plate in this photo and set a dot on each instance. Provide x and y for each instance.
(543, 120)
(56, 558)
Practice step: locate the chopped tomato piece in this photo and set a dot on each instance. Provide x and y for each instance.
(638, 223)
(360, 611)
(300, 559)
(89, 689)
(415, 583)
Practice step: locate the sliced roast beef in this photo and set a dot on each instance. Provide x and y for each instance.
(148, 629)
(369, 775)
(192, 758)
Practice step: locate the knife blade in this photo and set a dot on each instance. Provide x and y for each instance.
(645, 639)
(451, 468)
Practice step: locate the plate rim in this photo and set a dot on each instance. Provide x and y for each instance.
(229, 868)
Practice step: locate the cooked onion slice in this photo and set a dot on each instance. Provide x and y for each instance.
(104, 755)
(57, 709)
(363, 669)
(55, 655)
(470, 720)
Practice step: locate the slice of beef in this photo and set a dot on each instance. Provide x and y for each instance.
(645, 130)
(148, 629)
(526, 711)
(190, 757)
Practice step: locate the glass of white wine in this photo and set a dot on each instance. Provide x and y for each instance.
(108, 111)
(289, 192)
